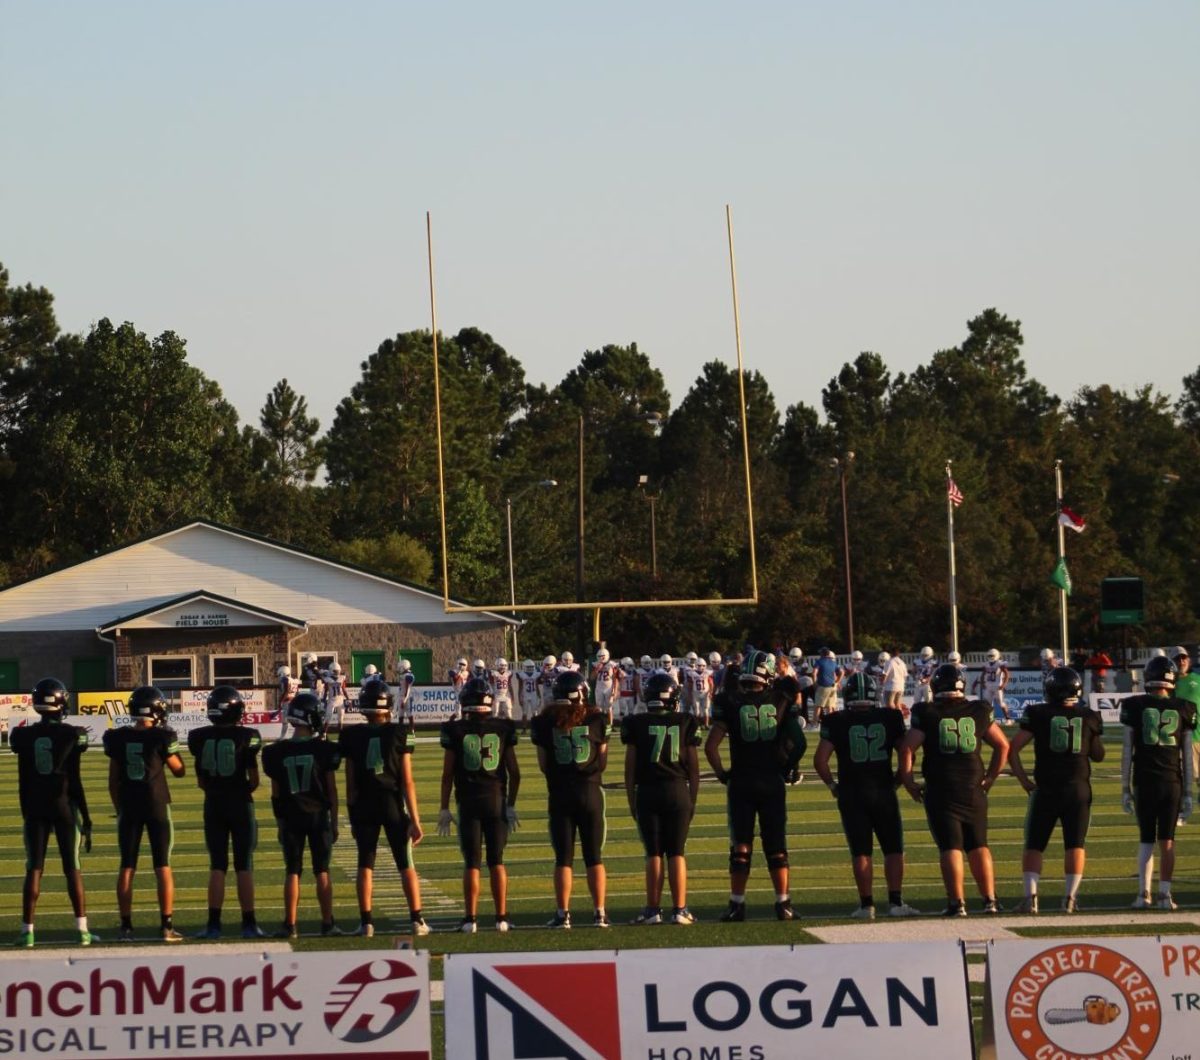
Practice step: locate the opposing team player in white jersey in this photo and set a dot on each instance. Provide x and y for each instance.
(699, 685)
(501, 681)
(922, 670)
(566, 662)
(991, 683)
(716, 667)
(546, 679)
(626, 701)
(604, 682)
(405, 679)
(666, 665)
(335, 695)
(528, 686)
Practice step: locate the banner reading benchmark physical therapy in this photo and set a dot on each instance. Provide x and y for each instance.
(1112, 997)
(265, 1006)
(745, 1003)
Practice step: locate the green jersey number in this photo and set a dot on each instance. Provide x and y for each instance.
(757, 722)
(866, 743)
(1159, 727)
(374, 755)
(1066, 735)
(573, 748)
(299, 771)
(135, 763)
(43, 755)
(219, 758)
(957, 736)
(481, 752)
(663, 734)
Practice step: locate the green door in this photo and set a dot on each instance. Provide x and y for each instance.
(422, 663)
(10, 675)
(360, 660)
(90, 674)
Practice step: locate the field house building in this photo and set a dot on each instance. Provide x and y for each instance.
(206, 604)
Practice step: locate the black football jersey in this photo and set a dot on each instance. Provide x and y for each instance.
(1063, 738)
(573, 754)
(300, 765)
(377, 752)
(1157, 724)
(141, 755)
(47, 763)
(863, 740)
(225, 754)
(755, 723)
(953, 746)
(659, 738)
(479, 744)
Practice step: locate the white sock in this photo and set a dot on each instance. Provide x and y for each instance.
(1164, 886)
(81, 923)
(1146, 865)
(1071, 882)
(27, 928)
(737, 899)
(785, 897)
(1031, 884)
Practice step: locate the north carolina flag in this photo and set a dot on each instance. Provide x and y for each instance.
(1070, 520)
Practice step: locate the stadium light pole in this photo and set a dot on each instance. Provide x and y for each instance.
(643, 482)
(546, 483)
(841, 466)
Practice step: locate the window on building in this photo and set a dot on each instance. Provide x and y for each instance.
(172, 671)
(241, 671)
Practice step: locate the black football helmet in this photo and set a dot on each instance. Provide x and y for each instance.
(758, 670)
(476, 695)
(225, 705)
(570, 687)
(306, 709)
(948, 680)
(50, 697)
(860, 688)
(375, 696)
(148, 701)
(661, 692)
(1160, 672)
(1062, 685)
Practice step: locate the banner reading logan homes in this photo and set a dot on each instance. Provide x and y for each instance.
(265, 1006)
(1113, 997)
(751, 1003)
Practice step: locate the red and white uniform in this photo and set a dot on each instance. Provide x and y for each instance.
(528, 694)
(698, 692)
(626, 693)
(501, 682)
(992, 679)
(604, 681)
(404, 686)
(335, 697)
(643, 674)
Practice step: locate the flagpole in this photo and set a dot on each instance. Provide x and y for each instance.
(1062, 555)
(953, 589)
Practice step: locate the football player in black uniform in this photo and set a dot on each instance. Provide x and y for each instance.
(951, 730)
(480, 765)
(863, 737)
(662, 777)
(762, 719)
(226, 756)
(139, 757)
(572, 751)
(1157, 751)
(1067, 738)
(381, 795)
(304, 802)
(52, 802)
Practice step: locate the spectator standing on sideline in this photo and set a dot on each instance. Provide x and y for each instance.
(895, 674)
(1187, 686)
(1098, 664)
(827, 674)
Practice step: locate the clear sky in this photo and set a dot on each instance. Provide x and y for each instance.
(255, 176)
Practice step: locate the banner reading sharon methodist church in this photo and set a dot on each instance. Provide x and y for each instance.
(840, 1002)
(1108, 997)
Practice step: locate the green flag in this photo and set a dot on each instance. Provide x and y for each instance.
(1061, 576)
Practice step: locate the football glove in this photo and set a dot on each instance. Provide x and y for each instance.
(85, 830)
(792, 776)
(833, 789)
(513, 818)
(1127, 802)
(445, 820)
(1185, 807)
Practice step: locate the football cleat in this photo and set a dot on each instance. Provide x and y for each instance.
(331, 930)
(287, 931)
(171, 935)
(903, 909)
(1142, 901)
(735, 914)
(364, 931)
(86, 938)
(649, 915)
(503, 924)
(863, 912)
(24, 941)
(208, 933)
(600, 919)
(419, 926)
(955, 909)
(784, 910)
(125, 934)
(1028, 905)
(253, 931)
(683, 916)
(1070, 905)
(992, 907)
(468, 926)
(560, 921)
(1166, 902)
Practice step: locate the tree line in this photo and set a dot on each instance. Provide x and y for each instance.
(112, 435)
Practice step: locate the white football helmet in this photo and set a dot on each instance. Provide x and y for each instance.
(567, 658)
(714, 658)
(691, 658)
(501, 664)
(645, 662)
(884, 657)
(549, 662)
(370, 670)
(461, 664)
(602, 655)
(405, 666)
(1047, 653)
(479, 668)
(310, 658)
(856, 656)
(335, 668)
(701, 666)
(927, 652)
(627, 664)
(993, 655)
(665, 661)
(954, 657)
(795, 655)
(529, 667)
(285, 671)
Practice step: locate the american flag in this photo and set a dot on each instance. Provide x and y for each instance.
(953, 492)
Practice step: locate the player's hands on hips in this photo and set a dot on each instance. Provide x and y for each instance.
(1127, 802)
(445, 820)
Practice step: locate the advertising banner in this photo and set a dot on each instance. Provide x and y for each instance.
(197, 698)
(101, 704)
(265, 1006)
(1109, 705)
(752, 1003)
(432, 704)
(15, 702)
(1116, 997)
(181, 723)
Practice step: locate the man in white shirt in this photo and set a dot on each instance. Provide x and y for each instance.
(895, 673)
